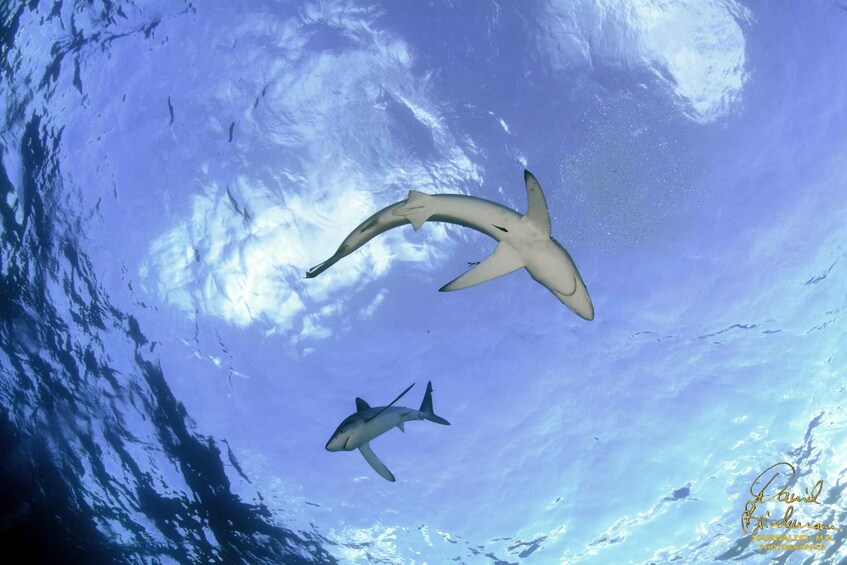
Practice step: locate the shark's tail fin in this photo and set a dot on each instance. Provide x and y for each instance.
(321, 267)
(426, 407)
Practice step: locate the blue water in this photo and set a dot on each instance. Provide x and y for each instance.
(170, 170)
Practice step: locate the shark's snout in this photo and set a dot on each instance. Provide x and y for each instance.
(335, 443)
(339, 442)
(579, 302)
(584, 308)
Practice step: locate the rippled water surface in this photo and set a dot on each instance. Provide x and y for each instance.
(169, 379)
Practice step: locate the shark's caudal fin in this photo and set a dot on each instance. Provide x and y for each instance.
(321, 267)
(503, 261)
(426, 407)
(374, 462)
(384, 408)
(415, 210)
(537, 212)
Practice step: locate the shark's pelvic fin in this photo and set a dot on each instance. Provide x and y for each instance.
(402, 428)
(374, 462)
(503, 261)
(415, 210)
(361, 405)
(537, 212)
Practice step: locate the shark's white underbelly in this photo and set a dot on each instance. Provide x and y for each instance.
(484, 216)
(523, 240)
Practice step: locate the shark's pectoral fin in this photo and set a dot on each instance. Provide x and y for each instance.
(374, 462)
(402, 429)
(537, 212)
(415, 210)
(503, 261)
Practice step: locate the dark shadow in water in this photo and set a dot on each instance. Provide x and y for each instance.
(76, 479)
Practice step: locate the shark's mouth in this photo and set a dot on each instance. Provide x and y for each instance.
(346, 441)
(575, 286)
(571, 293)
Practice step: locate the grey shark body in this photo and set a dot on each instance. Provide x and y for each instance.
(358, 429)
(523, 240)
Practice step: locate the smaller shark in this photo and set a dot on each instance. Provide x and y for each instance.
(357, 430)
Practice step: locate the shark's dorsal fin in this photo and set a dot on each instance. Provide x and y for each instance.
(503, 261)
(537, 212)
(374, 462)
(361, 405)
(384, 408)
(415, 209)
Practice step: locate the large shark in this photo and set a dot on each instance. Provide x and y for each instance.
(357, 430)
(524, 240)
